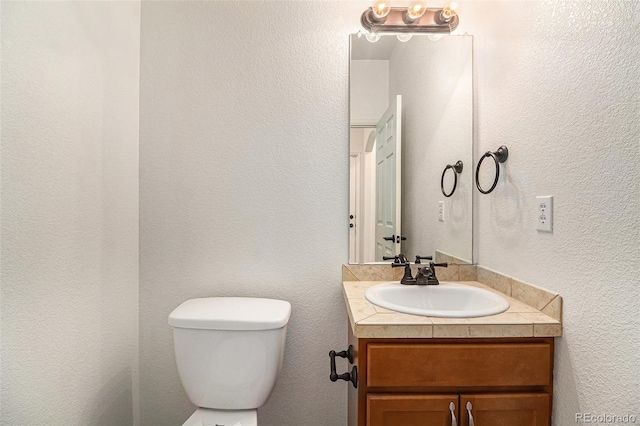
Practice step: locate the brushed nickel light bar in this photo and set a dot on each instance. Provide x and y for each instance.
(416, 18)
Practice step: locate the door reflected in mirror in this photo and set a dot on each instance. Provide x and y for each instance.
(411, 116)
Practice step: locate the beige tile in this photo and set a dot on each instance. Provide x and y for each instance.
(449, 273)
(554, 308)
(361, 309)
(516, 306)
(482, 330)
(381, 310)
(394, 331)
(544, 325)
(547, 330)
(467, 273)
(502, 325)
(395, 318)
(347, 275)
(372, 272)
(494, 280)
(530, 294)
(398, 273)
(356, 289)
(499, 319)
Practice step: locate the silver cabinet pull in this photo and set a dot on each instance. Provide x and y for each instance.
(452, 408)
(469, 408)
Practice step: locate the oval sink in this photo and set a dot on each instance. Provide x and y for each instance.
(445, 300)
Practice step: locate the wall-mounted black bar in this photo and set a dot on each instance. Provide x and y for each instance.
(499, 156)
(457, 168)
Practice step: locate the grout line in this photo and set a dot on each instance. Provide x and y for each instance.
(548, 303)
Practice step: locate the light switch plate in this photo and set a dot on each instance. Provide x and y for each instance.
(441, 211)
(544, 213)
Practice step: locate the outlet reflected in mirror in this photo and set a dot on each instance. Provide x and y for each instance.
(411, 115)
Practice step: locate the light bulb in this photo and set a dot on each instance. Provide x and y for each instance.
(381, 9)
(434, 37)
(451, 8)
(416, 9)
(404, 37)
(373, 37)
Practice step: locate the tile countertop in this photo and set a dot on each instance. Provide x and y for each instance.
(370, 321)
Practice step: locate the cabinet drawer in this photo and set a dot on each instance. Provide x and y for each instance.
(458, 365)
(410, 410)
(515, 409)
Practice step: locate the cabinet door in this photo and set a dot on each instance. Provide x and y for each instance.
(411, 410)
(513, 409)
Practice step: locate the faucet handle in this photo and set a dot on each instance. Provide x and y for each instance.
(419, 258)
(395, 259)
(441, 265)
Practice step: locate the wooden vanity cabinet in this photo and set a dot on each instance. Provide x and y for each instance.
(407, 382)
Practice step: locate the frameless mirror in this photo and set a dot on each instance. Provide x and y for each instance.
(411, 148)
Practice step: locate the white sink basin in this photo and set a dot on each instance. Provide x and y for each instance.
(444, 300)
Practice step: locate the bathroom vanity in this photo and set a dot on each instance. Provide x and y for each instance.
(414, 370)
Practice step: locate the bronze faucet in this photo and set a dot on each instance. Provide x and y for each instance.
(425, 276)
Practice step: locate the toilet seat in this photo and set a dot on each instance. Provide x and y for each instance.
(211, 417)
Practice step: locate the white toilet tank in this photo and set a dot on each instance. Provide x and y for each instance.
(229, 350)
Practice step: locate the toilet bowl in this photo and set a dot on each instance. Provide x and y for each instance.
(210, 417)
(229, 352)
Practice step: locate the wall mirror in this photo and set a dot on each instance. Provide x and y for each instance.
(411, 117)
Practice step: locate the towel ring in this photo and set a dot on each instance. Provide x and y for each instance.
(499, 156)
(457, 168)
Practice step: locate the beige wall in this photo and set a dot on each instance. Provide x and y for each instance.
(70, 73)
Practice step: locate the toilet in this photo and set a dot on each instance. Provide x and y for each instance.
(229, 352)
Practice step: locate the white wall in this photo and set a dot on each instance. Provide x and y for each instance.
(244, 186)
(70, 73)
(558, 84)
(244, 191)
(435, 81)
(244, 181)
(369, 91)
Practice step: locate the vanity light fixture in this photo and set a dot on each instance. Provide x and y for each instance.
(450, 10)
(415, 11)
(416, 18)
(380, 10)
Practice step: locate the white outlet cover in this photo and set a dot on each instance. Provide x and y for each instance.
(441, 211)
(544, 213)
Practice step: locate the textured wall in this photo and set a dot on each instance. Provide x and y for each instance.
(435, 81)
(244, 181)
(70, 73)
(558, 84)
(244, 186)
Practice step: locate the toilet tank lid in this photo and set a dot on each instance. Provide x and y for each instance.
(231, 313)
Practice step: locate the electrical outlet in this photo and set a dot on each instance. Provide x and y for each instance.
(441, 211)
(544, 213)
